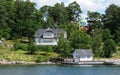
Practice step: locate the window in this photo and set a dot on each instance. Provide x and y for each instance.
(48, 35)
(47, 40)
(88, 56)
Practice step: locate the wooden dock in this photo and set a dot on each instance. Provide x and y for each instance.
(88, 63)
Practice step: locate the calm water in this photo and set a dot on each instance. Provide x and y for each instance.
(58, 70)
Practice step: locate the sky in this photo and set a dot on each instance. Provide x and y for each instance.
(85, 5)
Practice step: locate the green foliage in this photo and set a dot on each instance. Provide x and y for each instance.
(5, 32)
(106, 35)
(109, 48)
(95, 30)
(20, 46)
(64, 47)
(45, 48)
(94, 21)
(32, 48)
(70, 28)
(80, 40)
(118, 36)
(21, 19)
(59, 13)
(16, 56)
(73, 11)
(112, 20)
(97, 43)
(0, 37)
(42, 59)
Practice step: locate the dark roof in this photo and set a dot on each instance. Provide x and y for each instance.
(83, 52)
(40, 32)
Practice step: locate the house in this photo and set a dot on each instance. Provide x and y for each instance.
(1, 42)
(48, 36)
(82, 55)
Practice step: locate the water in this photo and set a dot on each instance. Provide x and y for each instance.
(58, 70)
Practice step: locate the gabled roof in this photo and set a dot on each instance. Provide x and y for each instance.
(58, 31)
(83, 52)
(40, 32)
(48, 30)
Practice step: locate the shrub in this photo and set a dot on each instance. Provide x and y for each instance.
(109, 48)
(32, 48)
(42, 59)
(45, 48)
(20, 46)
(0, 37)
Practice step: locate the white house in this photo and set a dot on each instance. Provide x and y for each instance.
(82, 55)
(48, 36)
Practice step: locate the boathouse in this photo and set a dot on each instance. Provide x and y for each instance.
(82, 55)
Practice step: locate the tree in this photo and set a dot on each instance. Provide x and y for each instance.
(24, 18)
(6, 17)
(58, 14)
(70, 28)
(63, 47)
(97, 44)
(46, 17)
(95, 30)
(109, 48)
(118, 36)
(94, 21)
(32, 48)
(112, 20)
(80, 40)
(39, 19)
(109, 45)
(74, 11)
(106, 35)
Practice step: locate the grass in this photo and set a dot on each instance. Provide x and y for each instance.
(16, 56)
(20, 55)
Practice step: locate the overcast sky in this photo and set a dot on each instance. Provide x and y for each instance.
(85, 5)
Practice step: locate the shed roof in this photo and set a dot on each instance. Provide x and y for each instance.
(83, 52)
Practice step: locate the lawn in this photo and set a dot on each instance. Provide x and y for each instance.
(20, 55)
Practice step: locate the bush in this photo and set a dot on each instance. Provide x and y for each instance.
(20, 46)
(45, 48)
(42, 59)
(0, 37)
(109, 48)
(32, 48)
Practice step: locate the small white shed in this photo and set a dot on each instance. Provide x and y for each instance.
(82, 55)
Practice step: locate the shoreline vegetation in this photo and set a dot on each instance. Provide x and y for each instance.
(8, 56)
(19, 56)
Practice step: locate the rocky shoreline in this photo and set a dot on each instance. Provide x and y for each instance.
(24, 62)
(113, 61)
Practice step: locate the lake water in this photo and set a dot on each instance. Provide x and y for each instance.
(58, 70)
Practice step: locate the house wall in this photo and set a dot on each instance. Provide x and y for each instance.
(40, 41)
(65, 35)
(89, 58)
(37, 41)
(77, 58)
